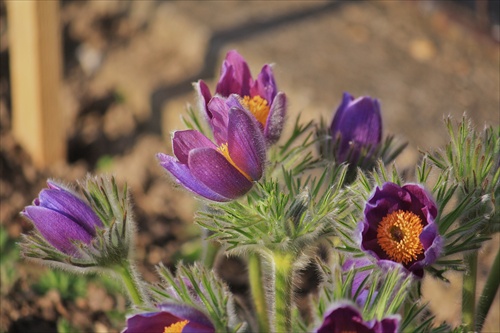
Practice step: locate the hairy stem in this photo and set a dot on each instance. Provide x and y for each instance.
(131, 280)
(283, 270)
(488, 294)
(258, 292)
(469, 291)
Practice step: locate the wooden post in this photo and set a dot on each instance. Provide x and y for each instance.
(35, 68)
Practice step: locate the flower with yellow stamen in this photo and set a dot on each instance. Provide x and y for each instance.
(260, 96)
(170, 318)
(399, 226)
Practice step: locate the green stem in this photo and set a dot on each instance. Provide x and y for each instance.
(211, 249)
(488, 294)
(258, 292)
(469, 290)
(130, 280)
(283, 270)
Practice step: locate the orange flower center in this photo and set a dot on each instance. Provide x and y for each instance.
(399, 236)
(224, 151)
(176, 327)
(258, 106)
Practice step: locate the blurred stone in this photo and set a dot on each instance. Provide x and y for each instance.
(422, 50)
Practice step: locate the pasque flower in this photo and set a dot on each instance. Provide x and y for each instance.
(261, 96)
(344, 317)
(357, 127)
(62, 218)
(399, 226)
(170, 318)
(227, 169)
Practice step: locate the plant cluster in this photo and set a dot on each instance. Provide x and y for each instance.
(314, 196)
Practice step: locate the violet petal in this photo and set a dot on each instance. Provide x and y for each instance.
(276, 118)
(184, 141)
(184, 176)
(211, 168)
(58, 229)
(246, 144)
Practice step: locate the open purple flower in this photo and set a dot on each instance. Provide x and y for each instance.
(62, 218)
(261, 96)
(343, 317)
(169, 319)
(222, 171)
(399, 226)
(357, 127)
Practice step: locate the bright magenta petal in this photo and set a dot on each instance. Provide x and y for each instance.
(214, 170)
(246, 144)
(184, 176)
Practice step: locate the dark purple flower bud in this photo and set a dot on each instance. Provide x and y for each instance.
(169, 319)
(399, 226)
(62, 217)
(222, 171)
(343, 317)
(261, 96)
(357, 127)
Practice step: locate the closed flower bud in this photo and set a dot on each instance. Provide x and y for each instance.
(356, 129)
(63, 218)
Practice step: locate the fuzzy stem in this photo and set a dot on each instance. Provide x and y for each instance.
(283, 270)
(488, 294)
(210, 253)
(258, 292)
(469, 290)
(131, 280)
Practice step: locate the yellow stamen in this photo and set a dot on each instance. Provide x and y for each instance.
(224, 151)
(258, 106)
(176, 327)
(398, 234)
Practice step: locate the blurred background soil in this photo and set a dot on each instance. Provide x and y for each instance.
(128, 73)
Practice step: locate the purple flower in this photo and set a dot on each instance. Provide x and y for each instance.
(169, 319)
(399, 227)
(343, 317)
(62, 218)
(261, 96)
(357, 127)
(222, 171)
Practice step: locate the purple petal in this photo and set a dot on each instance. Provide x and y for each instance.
(265, 86)
(185, 141)
(69, 205)
(389, 324)
(343, 317)
(276, 118)
(152, 322)
(204, 96)
(235, 76)
(362, 122)
(57, 229)
(219, 111)
(339, 114)
(184, 176)
(214, 170)
(246, 144)
(196, 318)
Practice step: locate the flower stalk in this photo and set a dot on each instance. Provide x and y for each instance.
(469, 291)
(488, 294)
(258, 292)
(130, 279)
(283, 270)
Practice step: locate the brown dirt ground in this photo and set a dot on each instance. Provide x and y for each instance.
(128, 68)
